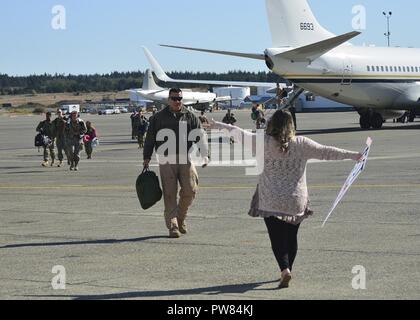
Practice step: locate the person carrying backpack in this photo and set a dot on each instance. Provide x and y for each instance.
(46, 128)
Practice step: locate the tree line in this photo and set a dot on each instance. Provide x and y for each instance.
(116, 81)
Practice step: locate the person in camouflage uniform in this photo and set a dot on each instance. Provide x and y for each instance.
(134, 124)
(59, 125)
(136, 120)
(46, 128)
(143, 125)
(74, 133)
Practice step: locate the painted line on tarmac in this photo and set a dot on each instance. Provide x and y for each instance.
(250, 162)
(221, 187)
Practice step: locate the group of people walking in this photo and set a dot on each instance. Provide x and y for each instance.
(69, 135)
(281, 197)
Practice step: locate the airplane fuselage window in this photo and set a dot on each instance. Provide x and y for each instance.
(393, 69)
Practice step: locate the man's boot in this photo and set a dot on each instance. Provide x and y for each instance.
(45, 163)
(182, 226)
(174, 233)
(76, 163)
(52, 162)
(60, 164)
(71, 165)
(173, 229)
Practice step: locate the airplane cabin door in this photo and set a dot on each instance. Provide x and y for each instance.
(347, 72)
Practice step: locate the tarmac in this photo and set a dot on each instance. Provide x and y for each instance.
(90, 222)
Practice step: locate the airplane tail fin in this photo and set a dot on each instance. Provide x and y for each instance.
(293, 24)
(149, 82)
(158, 70)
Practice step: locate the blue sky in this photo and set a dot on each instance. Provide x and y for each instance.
(102, 36)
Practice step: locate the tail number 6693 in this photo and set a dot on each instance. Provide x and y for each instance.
(307, 26)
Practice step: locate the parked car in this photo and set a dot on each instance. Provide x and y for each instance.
(122, 109)
(105, 112)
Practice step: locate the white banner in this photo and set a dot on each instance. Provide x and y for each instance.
(358, 169)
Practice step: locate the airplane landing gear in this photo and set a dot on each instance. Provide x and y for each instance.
(371, 120)
(377, 121)
(365, 122)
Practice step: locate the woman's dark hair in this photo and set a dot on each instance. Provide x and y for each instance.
(282, 128)
(89, 124)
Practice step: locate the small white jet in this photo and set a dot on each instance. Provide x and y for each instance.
(197, 100)
(381, 83)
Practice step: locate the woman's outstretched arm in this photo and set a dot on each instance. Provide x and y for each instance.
(237, 133)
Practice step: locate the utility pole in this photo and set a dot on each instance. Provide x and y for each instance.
(388, 33)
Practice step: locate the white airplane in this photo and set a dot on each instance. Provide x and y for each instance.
(197, 100)
(381, 83)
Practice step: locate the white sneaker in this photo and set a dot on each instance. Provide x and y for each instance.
(286, 277)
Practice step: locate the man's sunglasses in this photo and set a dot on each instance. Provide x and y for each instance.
(179, 99)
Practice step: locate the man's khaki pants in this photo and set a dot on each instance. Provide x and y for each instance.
(187, 176)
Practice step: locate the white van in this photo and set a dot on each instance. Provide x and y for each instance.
(69, 108)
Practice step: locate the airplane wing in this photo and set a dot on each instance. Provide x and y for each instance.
(142, 93)
(315, 50)
(162, 76)
(226, 53)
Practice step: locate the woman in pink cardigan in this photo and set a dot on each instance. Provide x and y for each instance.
(282, 193)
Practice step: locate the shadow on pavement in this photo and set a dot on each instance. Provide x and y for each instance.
(210, 291)
(75, 243)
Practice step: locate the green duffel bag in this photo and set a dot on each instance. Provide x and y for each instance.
(148, 189)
